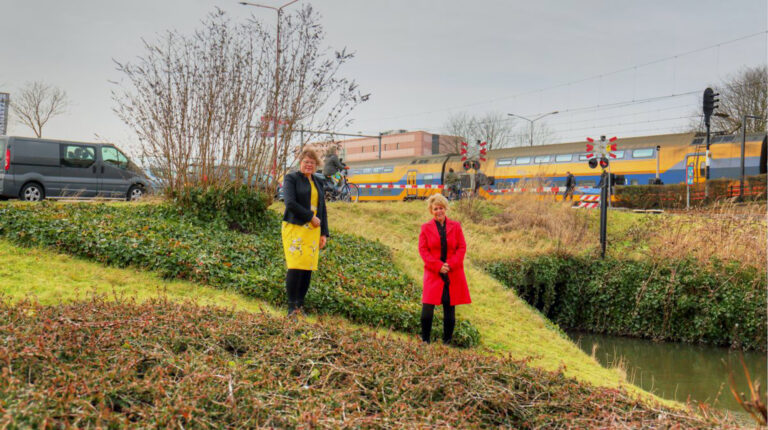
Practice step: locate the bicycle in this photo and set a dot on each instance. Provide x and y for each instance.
(345, 192)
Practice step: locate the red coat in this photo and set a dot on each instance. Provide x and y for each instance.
(429, 249)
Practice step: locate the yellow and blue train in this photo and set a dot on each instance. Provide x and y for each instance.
(638, 161)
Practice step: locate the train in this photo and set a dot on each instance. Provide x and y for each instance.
(638, 160)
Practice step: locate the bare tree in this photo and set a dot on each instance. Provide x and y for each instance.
(745, 93)
(38, 102)
(542, 135)
(493, 127)
(203, 105)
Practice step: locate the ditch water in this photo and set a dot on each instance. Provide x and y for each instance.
(677, 371)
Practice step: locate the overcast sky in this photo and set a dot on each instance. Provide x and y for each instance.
(423, 61)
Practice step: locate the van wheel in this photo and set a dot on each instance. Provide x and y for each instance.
(32, 192)
(135, 193)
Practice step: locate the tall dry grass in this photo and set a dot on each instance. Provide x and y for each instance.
(564, 228)
(726, 231)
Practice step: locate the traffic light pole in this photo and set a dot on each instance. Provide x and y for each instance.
(706, 170)
(603, 213)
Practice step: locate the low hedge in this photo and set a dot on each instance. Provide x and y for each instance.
(673, 196)
(111, 365)
(357, 278)
(723, 305)
(239, 205)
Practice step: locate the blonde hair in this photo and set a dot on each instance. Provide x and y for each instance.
(437, 200)
(309, 153)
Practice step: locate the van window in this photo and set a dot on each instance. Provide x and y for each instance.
(116, 158)
(562, 158)
(77, 155)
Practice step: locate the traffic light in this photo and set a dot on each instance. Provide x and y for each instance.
(709, 104)
(592, 163)
(604, 163)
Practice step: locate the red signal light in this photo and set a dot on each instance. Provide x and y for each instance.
(7, 159)
(604, 163)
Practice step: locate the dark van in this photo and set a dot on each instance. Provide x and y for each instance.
(33, 169)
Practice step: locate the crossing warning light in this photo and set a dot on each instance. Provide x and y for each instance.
(476, 165)
(603, 162)
(467, 165)
(592, 163)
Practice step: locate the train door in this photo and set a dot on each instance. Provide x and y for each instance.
(692, 161)
(410, 177)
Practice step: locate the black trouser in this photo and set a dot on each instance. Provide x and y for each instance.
(449, 317)
(297, 285)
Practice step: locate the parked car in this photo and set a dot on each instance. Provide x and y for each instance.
(33, 169)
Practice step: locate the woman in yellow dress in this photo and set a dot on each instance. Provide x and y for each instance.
(305, 227)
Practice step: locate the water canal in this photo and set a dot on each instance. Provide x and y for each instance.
(677, 371)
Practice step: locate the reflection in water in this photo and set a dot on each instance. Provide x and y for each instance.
(677, 371)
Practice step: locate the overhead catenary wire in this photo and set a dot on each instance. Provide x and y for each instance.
(578, 81)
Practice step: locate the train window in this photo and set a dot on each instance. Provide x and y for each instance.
(582, 157)
(367, 170)
(539, 159)
(387, 169)
(423, 161)
(377, 170)
(619, 154)
(414, 161)
(523, 160)
(504, 162)
(428, 179)
(563, 158)
(642, 153)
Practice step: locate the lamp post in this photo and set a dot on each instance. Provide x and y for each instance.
(279, 11)
(533, 120)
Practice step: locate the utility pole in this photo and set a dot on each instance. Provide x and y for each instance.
(276, 109)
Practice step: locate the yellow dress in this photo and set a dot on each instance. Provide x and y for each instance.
(301, 243)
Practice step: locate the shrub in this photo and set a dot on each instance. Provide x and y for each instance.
(104, 364)
(357, 278)
(677, 300)
(240, 206)
(673, 196)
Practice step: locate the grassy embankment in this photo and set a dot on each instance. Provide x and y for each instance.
(527, 227)
(507, 325)
(123, 372)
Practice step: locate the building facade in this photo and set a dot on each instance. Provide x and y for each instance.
(407, 144)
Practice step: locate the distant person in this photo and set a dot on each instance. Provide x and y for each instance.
(452, 183)
(305, 227)
(442, 247)
(570, 186)
(332, 165)
(481, 180)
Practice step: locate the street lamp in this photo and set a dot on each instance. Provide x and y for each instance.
(279, 11)
(533, 120)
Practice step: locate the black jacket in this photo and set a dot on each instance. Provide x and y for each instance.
(297, 194)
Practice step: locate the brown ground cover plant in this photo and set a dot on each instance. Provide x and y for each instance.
(158, 364)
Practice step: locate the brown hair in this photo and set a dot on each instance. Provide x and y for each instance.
(309, 153)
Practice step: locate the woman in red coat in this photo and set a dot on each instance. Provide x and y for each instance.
(442, 247)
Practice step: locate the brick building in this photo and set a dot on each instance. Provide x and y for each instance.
(406, 144)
